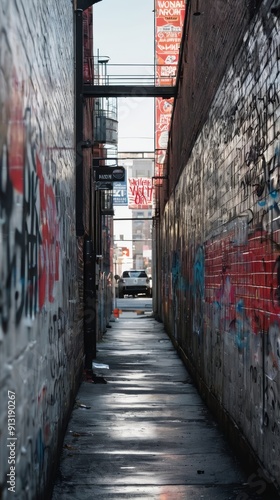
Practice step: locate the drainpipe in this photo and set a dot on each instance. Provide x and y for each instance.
(89, 304)
(79, 121)
(79, 7)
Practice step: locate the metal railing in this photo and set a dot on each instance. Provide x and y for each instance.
(103, 73)
(106, 107)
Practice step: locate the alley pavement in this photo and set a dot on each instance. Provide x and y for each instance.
(140, 430)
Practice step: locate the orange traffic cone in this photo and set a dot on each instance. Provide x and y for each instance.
(116, 313)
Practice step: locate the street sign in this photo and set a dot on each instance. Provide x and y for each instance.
(120, 193)
(109, 174)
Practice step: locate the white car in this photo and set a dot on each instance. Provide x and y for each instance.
(134, 282)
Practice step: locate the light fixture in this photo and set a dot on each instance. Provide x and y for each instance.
(103, 59)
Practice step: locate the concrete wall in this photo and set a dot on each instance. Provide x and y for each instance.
(40, 331)
(219, 236)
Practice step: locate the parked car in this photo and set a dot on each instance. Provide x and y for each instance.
(134, 282)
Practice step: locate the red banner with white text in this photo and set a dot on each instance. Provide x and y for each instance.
(169, 19)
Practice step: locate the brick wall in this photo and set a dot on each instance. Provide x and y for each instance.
(40, 328)
(220, 239)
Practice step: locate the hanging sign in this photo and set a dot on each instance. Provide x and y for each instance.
(109, 174)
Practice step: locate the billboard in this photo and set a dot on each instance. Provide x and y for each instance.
(169, 19)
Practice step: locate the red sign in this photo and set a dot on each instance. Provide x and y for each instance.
(140, 193)
(169, 18)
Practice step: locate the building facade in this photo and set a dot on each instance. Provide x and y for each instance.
(217, 229)
(43, 262)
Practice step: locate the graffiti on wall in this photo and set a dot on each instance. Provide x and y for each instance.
(235, 217)
(261, 171)
(32, 317)
(198, 291)
(29, 226)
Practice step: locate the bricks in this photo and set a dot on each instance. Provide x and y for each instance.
(41, 337)
(225, 161)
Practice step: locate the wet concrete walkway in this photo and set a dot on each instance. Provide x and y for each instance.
(146, 433)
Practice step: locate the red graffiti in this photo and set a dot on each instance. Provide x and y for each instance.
(247, 274)
(49, 251)
(39, 228)
(16, 137)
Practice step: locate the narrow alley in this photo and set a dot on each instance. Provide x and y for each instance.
(139, 156)
(146, 433)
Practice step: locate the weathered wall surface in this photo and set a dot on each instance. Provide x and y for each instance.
(220, 238)
(40, 335)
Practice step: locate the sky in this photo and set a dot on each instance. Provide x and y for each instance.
(124, 31)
